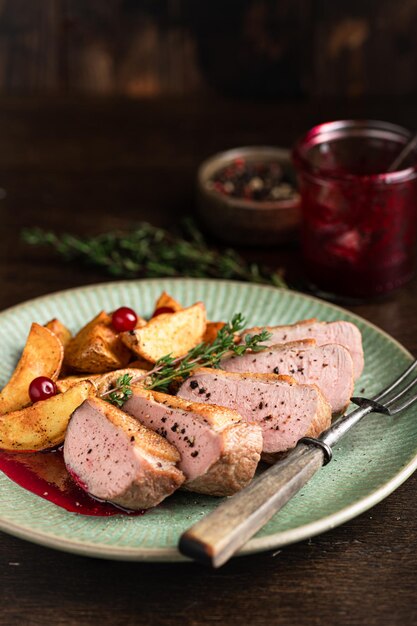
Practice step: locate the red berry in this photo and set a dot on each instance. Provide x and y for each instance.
(124, 319)
(42, 388)
(162, 309)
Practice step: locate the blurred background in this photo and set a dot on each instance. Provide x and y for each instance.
(107, 108)
(240, 48)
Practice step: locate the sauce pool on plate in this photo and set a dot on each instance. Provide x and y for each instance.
(45, 474)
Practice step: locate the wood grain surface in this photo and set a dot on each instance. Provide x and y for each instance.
(88, 165)
(149, 48)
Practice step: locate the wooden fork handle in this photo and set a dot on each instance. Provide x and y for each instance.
(215, 538)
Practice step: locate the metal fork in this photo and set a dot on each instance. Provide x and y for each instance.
(215, 538)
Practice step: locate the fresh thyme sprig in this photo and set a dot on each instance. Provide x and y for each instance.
(120, 392)
(147, 251)
(169, 369)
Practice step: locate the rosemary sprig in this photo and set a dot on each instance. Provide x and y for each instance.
(168, 369)
(121, 391)
(147, 251)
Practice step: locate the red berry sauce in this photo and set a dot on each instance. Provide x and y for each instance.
(359, 221)
(45, 474)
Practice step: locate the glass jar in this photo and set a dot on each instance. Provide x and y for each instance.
(359, 223)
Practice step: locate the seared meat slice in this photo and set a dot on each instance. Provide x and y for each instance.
(344, 333)
(285, 410)
(329, 367)
(113, 457)
(219, 451)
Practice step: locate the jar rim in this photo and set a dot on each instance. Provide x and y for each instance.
(330, 131)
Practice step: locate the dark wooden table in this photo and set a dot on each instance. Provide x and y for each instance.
(92, 165)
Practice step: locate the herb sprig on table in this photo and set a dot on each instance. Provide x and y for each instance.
(168, 369)
(148, 251)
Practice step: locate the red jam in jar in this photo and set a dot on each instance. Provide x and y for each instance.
(359, 227)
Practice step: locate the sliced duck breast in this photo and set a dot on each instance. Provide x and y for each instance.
(219, 451)
(344, 333)
(284, 409)
(114, 458)
(330, 367)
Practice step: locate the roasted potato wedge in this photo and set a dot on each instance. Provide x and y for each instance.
(212, 329)
(59, 330)
(42, 356)
(97, 348)
(63, 384)
(165, 300)
(42, 425)
(141, 322)
(102, 382)
(141, 364)
(168, 333)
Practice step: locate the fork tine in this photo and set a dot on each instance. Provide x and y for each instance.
(402, 393)
(402, 405)
(382, 394)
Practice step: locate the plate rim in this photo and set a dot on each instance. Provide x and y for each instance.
(254, 545)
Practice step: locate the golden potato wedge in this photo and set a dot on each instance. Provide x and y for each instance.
(141, 322)
(42, 356)
(42, 425)
(168, 333)
(97, 348)
(165, 300)
(102, 382)
(63, 384)
(212, 329)
(59, 330)
(141, 364)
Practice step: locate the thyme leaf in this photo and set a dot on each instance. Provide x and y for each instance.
(169, 369)
(121, 391)
(148, 251)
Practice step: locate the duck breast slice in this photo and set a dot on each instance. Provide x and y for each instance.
(219, 451)
(284, 409)
(344, 333)
(114, 458)
(330, 367)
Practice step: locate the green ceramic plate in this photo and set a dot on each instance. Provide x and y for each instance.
(372, 460)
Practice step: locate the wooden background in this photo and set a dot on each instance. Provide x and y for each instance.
(92, 164)
(262, 48)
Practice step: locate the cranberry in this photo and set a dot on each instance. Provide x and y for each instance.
(124, 319)
(42, 388)
(163, 309)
